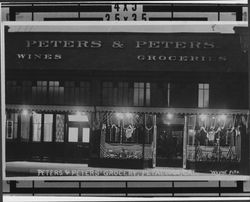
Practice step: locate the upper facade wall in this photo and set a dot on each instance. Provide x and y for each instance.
(113, 51)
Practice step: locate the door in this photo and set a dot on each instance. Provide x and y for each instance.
(78, 142)
(169, 151)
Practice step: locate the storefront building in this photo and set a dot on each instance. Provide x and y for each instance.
(129, 100)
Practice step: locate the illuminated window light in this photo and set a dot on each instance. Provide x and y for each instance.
(203, 117)
(222, 117)
(128, 115)
(25, 112)
(78, 113)
(119, 115)
(170, 116)
(78, 117)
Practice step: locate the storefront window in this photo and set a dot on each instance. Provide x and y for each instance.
(11, 125)
(128, 128)
(124, 133)
(60, 127)
(48, 127)
(203, 95)
(25, 127)
(37, 126)
(215, 138)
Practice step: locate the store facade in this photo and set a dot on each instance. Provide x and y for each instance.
(129, 100)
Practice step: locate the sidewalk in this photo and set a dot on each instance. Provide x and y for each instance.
(25, 168)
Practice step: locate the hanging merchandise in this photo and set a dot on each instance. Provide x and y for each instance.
(128, 121)
(238, 143)
(114, 131)
(230, 139)
(191, 130)
(203, 136)
(192, 123)
(148, 129)
(95, 120)
(211, 132)
(129, 131)
(211, 135)
(217, 135)
(231, 133)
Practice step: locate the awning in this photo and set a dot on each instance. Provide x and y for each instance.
(50, 108)
(149, 110)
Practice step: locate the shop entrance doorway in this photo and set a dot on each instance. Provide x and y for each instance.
(169, 151)
(78, 139)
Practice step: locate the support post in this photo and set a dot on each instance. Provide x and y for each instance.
(185, 136)
(143, 139)
(102, 140)
(154, 142)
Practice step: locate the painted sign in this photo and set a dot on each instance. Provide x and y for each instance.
(124, 51)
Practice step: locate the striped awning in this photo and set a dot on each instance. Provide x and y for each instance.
(149, 110)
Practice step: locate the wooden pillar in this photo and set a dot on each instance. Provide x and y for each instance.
(154, 142)
(102, 140)
(185, 138)
(143, 139)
